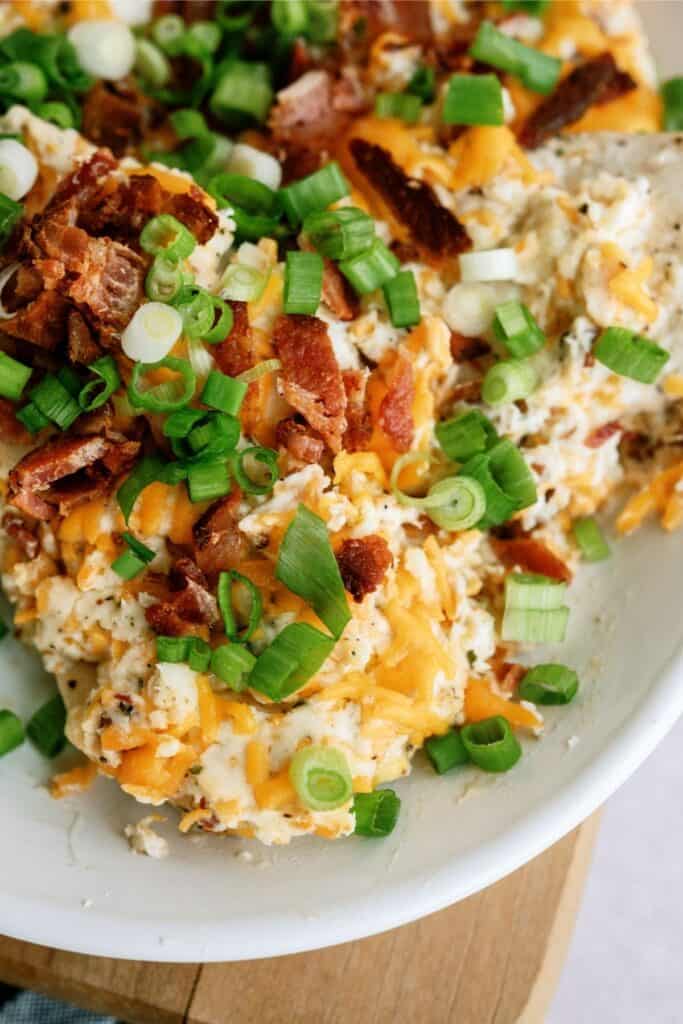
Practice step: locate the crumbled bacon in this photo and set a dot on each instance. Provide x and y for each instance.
(311, 379)
(437, 233)
(337, 293)
(190, 602)
(62, 473)
(82, 346)
(358, 419)
(531, 556)
(598, 80)
(299, 440)
(509, 676)
(396, 408)
(315, 109)
(191, 209)
(20, 532)
(42, 322)
(109, 284)
(363, 564)
(218, 543)
(464, 349)
(236, 353)
(602, 434)
(408, 18)
(117, 115)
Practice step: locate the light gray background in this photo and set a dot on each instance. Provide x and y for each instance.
(625, 964)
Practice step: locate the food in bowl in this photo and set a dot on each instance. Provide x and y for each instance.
(332, 334)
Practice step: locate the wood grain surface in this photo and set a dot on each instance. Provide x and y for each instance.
(492, 959)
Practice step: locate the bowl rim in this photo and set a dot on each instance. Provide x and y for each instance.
(101, 933)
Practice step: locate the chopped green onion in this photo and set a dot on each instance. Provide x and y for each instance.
(446, 751)
(534, 609)
(322, 20)
(32, 418)
(231, 663)
(532, 590)
(222, 325)
(207, 34)
(180, 423)
(225, 581)
(243, 93)
(549, 684)
(207, 481)
(10, 214)
(537, 71)
(134, 559)
(290, 17)
(294, 656)
(321, 777)
(197, 310)
(166, 397)
(57, 113)
(255, 207)
(590, 539)
(404, 106)
(400, 294)
(54, 401)
(71, 380)
(536, 8)
(45, 729)
(199, 654)
(11, 732)
(250, 482)
(14, 377)
(313, 193)
(423, 83)
(23, 81)
(146, 472)
(515, 327)
(151, 63)
(165, 235)
(173, 649)
(167, 32)
(506, 479)
(243, 284)
(509, 381)
(672, 94)
(630, 354)
(164, 279)
(464, 503)
(258, 371)
(466, 435)
(371, 269)
(307, 566)
(234, 16)
(340, 234)
(217, 434)
(96, 392)
(491, 744)
(303, 282)
(376, 813)
(473, 99)
(223, 392)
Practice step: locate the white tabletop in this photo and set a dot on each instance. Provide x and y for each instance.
(624, 965)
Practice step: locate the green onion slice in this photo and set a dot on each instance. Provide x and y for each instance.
(404, 106)
(307, 566)
(376, 813)
(264, 475)
(590, 539)
(321, 777)
(46, 727)
(403, 302)
(474, 99)
(630, 354)
(516, 329)
(196, 307)
(466, 435)
(223, 392)
(464, 503)
(225, 582)
(537, 71)
(164, 397)
(531, 590)
(423, 83)
(340, 234)
(32, 418)
(531, 626)
(672, 94)
(151, 63)
(164, 279)
(294, 656)
(167, 236)
(243, 93)
(289, 17)
(147, 471)
(303, 282)
(97, 392)
(371, 269)
(199, 654)
(260, 370)
(57, 113)
(244, 284)
(55, 402)
(207, 481)
(506, 479)
(255, 207)
(23, 81)
(446, 751)
(509, 381)
(315, 192)
(134, 559)
(549, 684)
(14, 377)
(10, 215)
(11, 732)
(491, 744)
(231, 663)
(173, 649)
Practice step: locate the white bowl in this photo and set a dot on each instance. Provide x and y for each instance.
(67, 878)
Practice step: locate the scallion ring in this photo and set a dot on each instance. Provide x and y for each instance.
(491, 744)
(256, 484)
(225, 603)
(321, 777)
(464, 503)
(168, 395)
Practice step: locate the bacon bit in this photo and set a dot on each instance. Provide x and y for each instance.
(337, 293)
(596, 81)
(510, 676)
(190, 603)
(600, 435)
(363, 564)
(19, 530)
(84, 182)
(117, 115)
(123, 212)
(409, 18)
(42, 322)
(218, 543)
(396, 408)
(314, 110)
(109, 284)
(468, 391)
(299, 441)
(67, 471)
(311, 379)
(82, 346)
(359, 421)
(236, 353)
(531, 556)
(191, 209)
(437, 233)
(465, 349)
(10, 427)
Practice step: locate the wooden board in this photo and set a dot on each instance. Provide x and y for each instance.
(492, 959)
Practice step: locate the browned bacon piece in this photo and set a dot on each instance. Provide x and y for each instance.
(236, 353)
(464, 349)
(396, 408)
(437, 233)
(363, 564)
(218, 543)
(82, 346)
(42, 322)
(602, 434)
(109, 284)
(315, 109)
(531, 556)
(299, 440)
(598, 80)
(60, 474)
(358, 419)
(190, 602)
(117, 115)
(337, 293)
(408, 18)
(311, 379)
(191, 209)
